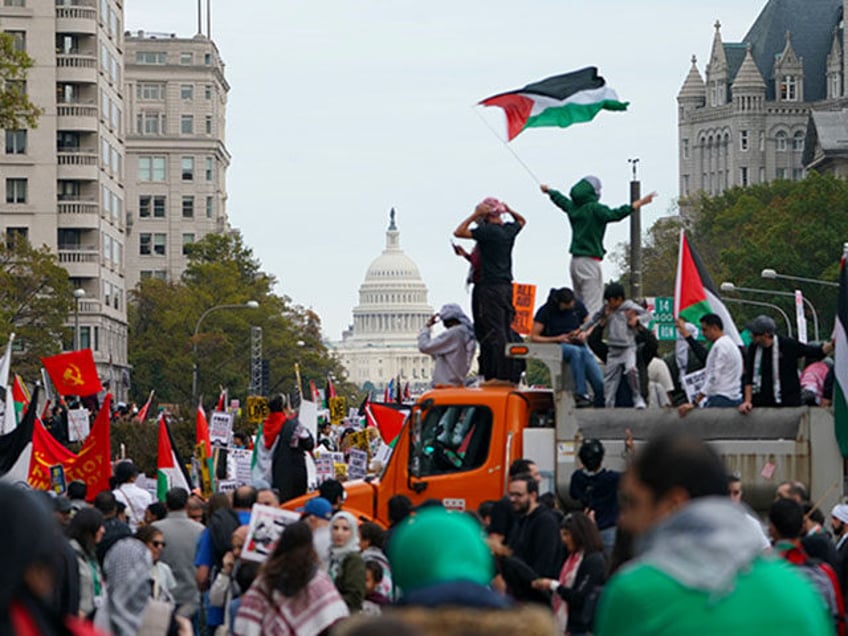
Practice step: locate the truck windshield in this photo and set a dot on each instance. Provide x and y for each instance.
(452, 439)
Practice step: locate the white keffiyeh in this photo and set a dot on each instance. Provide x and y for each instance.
(775, 369)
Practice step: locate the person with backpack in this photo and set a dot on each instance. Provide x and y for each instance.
(786, 523)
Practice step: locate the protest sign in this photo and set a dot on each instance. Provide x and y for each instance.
(360, 440)
(324, 469)
(337, 409)
(57, 479)
(693, 382)
(238, 466)
(78, 425)
(227, 485)
(266, 525)
(220, 428)
(307, 415)
(257, 409)
(357, 466)
(523, 299)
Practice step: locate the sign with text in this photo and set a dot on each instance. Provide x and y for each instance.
(238, 464)
(324, 468)
(57, 479)
(78, 425)
(337, 409)
(220, 428)
(800, 318)
(523, 301)
(693, 382)
(307, 415)
(357, 465)
(257, 409)
(662, 320)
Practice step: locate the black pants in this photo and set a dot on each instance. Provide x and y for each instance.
(493, 314)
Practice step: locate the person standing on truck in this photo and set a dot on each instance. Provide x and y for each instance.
(722, 385)
(491, 299)
(588, 218)
(453, 349)
(620, 316)
(771, 366)
(559, 321)
(700, 568)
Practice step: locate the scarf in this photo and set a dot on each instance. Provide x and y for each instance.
(567, 577)
(775, 369)
(127, 568)
(272, 426)
(339, 552)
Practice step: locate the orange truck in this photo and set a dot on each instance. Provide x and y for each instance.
(458, 443)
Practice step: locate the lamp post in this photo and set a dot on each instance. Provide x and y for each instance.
(79, 294)
(770, 274)
(757, 303)
(250, 304)
(728, 286)
(635, 234)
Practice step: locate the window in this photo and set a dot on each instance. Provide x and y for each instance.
(798, 142)
(780, 173)
(15, 235)
(16, 142)
(16, 190)
(151, 168)
(209, 164)
(186, 58)
(452, 439)
(150, 57)
(116, 161)
(114, 114)
(145, 243)
(187, 165)
(144, 206)
(797, 174)
(685, 185)
(68, 190)
(107, 246)
(14, 3)
(762, 140)
(149, 205)
(685, 148)
(159, 207)
(208, 124)
(780, 138)
(187, 124)
(743, 176)
(207, 59)
(148, 91)
(150, 123)
(207, 91)
(762, 175)
(159, 244)
(67, 44)
(209, 207)
(186, 91)
(19, 39)
(188, 239)
(789, 88)
(835, 86)
(188, 207)
(743, 140)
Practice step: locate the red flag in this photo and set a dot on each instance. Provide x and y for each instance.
(142, 414)
(222, 401)
(73, 373)
(406, 394)
(331, 388)
(202, 430)
(387, 394)
(316, 394)
(388, 421)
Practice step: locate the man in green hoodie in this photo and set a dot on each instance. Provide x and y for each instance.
(589, 218)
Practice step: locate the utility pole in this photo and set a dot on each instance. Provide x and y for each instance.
(635, 235)
(255, 361)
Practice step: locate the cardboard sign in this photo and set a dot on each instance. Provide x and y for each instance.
(57, 478)
(257, 409)
(693, 382)
(238, 466)
(523, 301)
(337, 410)
(266, 525)
(220, 428)
(307, 415)
(357, 466)
(324, 469)
(79, 425)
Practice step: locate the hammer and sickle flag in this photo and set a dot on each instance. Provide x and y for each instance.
(73, 373)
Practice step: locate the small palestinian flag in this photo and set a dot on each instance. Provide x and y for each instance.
(558, 101)
(840, 363)
(170, 471)
(695, 294)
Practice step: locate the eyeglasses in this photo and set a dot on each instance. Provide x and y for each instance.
(158, 544)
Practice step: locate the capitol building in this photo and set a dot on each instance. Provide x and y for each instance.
(382, 342)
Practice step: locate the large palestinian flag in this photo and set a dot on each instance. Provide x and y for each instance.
(170, 471)
(840, 360)
(694, 292)
(558, 101)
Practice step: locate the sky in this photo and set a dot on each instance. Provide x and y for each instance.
(340, 110)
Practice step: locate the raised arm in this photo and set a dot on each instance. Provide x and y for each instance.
(518, 218)
(464, 228)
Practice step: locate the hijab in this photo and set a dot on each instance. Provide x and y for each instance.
(338, 553)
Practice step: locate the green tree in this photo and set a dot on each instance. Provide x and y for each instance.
(35, 300)
(16, 110)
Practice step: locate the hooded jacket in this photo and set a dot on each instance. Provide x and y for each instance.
(588, 218)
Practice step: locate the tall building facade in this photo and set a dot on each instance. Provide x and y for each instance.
(382, 343)
(745, 121)
(63, 181)
(177, 159)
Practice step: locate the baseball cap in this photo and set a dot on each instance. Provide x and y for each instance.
(318, 507)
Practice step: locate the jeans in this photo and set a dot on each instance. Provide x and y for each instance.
(720, 401)
(584, 367)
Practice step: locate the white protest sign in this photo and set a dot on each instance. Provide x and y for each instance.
(308, 417)
(220, 428)
(384, 454)
(238, 465)
(357, 466)
(228, 485)
(324, 469)
(78, 425)
(693, 382)
(800, 318)
(266, 526)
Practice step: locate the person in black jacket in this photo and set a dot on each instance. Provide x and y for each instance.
(577, 590)
(289, 461)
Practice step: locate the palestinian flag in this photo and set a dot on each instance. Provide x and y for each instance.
(170, 472)
(145, 410)
(840, 360)
(695, 294)
(16, 447)
(558, 101)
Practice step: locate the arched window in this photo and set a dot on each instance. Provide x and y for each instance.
(798, 142)
(780, 139)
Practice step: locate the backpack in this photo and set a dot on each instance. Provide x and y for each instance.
(823, 578)
(222, 524)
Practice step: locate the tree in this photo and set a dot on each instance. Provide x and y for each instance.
(35, 300)
(16, 110)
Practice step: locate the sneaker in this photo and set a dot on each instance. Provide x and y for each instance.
(640, 404)
(582, 401)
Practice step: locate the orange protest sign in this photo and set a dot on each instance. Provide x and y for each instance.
(523, 301)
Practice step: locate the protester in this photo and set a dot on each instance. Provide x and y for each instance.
(453, 349)
(288, 466)
(317, 514)
(84, 532)
(62, 510)
(347, 569)
(195, 509)
(771, 366)
(589, 218)
(582, 575)
(812, 381)
(224, 588)
(164, 582)
(126, 492)
(559, 321)
(399, 508)
(491, 299)
(815, 540)
(734, 493)
(268, 497)
(114, 528)
(839, 525)
(596, 488)
(375, 600)
(503, 515)
(722, 384)
(371, 542)
(292, 595)
(77, 492)
(699, 568)
(155, 512)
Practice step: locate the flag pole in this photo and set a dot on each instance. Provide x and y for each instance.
(507, 146)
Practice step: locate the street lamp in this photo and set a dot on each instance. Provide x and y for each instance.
(728, 286)
(79, 294)
(250, 304)
(770, 274)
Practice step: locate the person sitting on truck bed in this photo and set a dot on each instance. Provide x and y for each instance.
(559, 321)
(596, 488)
(769, 352)
(453, 349)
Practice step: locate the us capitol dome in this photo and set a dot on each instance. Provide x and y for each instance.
(382, 342)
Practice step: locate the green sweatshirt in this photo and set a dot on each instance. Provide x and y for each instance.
(768, 598)
(588, 218)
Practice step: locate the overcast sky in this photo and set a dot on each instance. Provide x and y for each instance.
(342, 109)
